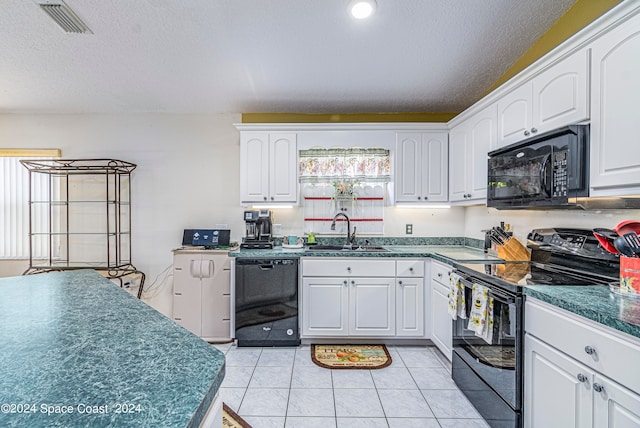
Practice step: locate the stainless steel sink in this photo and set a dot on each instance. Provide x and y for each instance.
(363, 248)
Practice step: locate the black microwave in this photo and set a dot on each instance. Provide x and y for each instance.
(546, 171)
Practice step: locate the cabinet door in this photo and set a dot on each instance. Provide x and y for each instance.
(408, 168)
(615, 91)
(514, 115)
(187, 291)
(470, 143)
(410, 306)
(325, 305)
(458, 170)
(560, 94)
(614, 405)
(372, 307)
(254, 166)
(216, 277)
(283, 168)
(441, 323)
(435, 167)
(557, 389)
(481, 140)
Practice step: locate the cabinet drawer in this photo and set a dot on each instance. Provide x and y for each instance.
(615, 354)
(348, 267)
(440, 272)
(410, 268)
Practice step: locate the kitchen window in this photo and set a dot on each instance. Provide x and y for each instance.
(14, 202)
(348, 180)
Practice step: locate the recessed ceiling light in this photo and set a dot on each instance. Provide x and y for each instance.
(361, 9)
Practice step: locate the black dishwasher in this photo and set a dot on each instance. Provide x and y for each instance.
(266, 302)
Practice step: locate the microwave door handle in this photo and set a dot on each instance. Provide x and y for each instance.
(546, 184)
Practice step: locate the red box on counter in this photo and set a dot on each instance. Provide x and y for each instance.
(630, 275)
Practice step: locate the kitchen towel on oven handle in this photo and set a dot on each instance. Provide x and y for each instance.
(457, 304)
(481, 314)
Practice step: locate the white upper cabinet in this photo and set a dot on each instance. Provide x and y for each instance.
(268, 167)
(557, 97)
(421, 174)
(470, 141)
(615, 92)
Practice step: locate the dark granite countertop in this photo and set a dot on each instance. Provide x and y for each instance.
(447, 250)
(74, 340)
(596, 303)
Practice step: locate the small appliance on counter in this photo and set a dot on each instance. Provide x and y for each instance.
(258, 226)
(207, 238)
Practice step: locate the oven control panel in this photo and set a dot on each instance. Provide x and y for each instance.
(580, 242)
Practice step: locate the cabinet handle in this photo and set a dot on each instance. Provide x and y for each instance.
(348, 269)
(418, 197)
(582, 378)
(425, 198)
(272, 198)
(534, 130)
(410, 269)
(192, 270)
(598, 388)
(345, 282)
(439, 275)
(265, 198)
(589, 350)
(353, 282)
(400, 282)
(210, 269)
(526, 133)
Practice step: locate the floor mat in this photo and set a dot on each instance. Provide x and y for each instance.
(351, 356)
(230, 419)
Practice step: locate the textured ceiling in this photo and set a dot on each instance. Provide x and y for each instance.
(307, 56)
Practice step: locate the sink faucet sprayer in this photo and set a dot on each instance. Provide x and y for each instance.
(351, 239)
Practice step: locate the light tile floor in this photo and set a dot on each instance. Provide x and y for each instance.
(283, 388)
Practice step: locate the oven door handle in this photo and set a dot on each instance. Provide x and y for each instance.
(547, 184)
(499, 296)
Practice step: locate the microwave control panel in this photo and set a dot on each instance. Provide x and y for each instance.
(560, 175)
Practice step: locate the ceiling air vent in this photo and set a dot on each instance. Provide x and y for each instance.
(64, 16)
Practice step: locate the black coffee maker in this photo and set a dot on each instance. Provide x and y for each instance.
(258, 225)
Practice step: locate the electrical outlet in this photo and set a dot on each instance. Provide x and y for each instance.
(409, 229)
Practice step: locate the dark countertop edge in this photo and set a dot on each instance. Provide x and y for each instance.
(426, 252)
(606, 320)
(201, 411)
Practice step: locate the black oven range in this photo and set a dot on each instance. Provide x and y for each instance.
(489, 370)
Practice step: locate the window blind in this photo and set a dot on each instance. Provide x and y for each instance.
(14, 203)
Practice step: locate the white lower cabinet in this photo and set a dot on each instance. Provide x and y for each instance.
(441, 323)
(575, 375)
(201, 292)
(372, 307)
(409, 306)
(325, 306)
(555, 396)
(366, 300)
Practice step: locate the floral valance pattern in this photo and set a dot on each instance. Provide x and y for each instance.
(320, 164)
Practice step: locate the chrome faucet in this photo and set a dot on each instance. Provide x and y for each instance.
(351, 239)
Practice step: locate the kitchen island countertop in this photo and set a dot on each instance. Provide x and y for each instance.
(79, 351)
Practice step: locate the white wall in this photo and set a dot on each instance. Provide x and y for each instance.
(187, 174)
(187, 177)
(523, 221)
